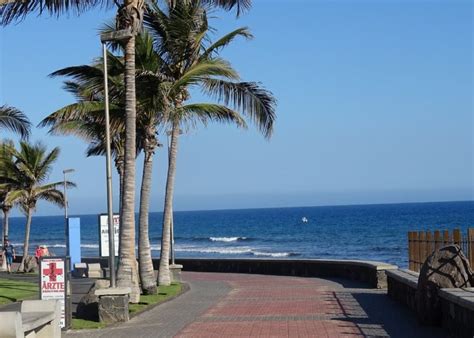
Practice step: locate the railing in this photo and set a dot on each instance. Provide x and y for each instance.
(421, 244)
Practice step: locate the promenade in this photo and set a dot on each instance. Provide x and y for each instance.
(231, 305)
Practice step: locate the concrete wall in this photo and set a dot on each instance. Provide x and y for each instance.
(457, 305)
(372, 273)
(402, 288)
(458, 311)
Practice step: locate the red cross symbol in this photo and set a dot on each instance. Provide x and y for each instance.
(52, 272)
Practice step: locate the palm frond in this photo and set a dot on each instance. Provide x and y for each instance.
(239, 5)
(18, 10)
(202, 71)
(225, 40)
(254, 101)
(210, 112)
(14, 120)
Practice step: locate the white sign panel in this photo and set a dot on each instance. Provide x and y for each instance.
(53, 283)
(104, 234)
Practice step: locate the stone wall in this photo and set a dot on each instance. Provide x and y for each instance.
(402, 287)
(458, 311)
(370, 272)
(457, 305)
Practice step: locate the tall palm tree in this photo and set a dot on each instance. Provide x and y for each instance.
(14, 120)
(30, 170)
(85, 119)
(129, 17)
(181, 38)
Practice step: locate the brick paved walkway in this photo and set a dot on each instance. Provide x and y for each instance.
(231, 305)
(274, 306)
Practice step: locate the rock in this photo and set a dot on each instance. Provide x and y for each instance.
(30, 265)
(446, 267)
(88, 306)
(113, 309)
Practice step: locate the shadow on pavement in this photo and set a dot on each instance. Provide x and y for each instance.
(377, 315)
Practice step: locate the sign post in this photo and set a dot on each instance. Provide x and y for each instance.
(53, 279)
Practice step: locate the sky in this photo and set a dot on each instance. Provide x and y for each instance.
(375, 105)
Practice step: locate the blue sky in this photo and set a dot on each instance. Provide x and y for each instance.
(375, 105)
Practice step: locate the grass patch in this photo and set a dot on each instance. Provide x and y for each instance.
(13, 290)
(164, 293)
(82, 324)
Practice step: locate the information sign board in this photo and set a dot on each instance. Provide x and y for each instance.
(53, 282)
(104, 234)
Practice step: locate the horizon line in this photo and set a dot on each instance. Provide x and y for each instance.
(266, 208)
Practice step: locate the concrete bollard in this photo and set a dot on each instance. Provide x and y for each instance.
(175, 272)
(113, 304)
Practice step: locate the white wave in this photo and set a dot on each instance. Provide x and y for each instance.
(270, 254)
(90, 246)
(218, 250)
(226, 239)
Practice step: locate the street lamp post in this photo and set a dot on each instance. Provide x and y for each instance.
(66, 171)
(104, 38)
(68, 252)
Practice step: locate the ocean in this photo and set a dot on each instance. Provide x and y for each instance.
(373, 232)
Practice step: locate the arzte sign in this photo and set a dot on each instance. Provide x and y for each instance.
(53, 282)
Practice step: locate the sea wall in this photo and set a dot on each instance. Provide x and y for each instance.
(458, 311)
(402, 286)
(457, 305)
(370, 272)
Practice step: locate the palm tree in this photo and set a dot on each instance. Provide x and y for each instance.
(30, 169)
(14, 120)
(5, 178)
(85, 119)
(181, 36)
(129, 17)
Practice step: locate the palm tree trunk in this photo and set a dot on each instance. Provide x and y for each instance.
(119, 166)
(26, 242)
(164, 273)
(4, 234)
(127, 274)
(6, 214)
(147, 276)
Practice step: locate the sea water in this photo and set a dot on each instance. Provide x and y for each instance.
(374, 232)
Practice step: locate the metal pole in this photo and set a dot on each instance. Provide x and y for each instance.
(109, 173)
(65, 215)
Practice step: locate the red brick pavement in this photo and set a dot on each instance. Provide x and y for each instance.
(273, 306)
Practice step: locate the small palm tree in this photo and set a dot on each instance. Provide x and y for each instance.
(14, 120)
(181, 37)
(6, 159)
(30, 170)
